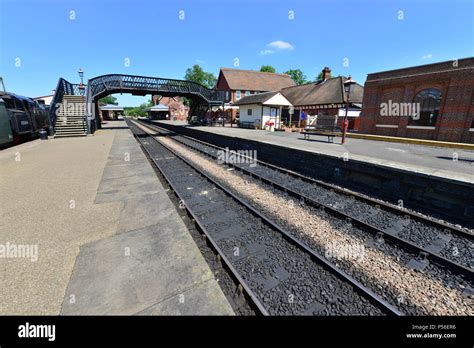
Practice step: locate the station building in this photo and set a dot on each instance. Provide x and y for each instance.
(158, 112)
(45, 99)
(433, 102)
(238, 83)
(111, 112)
(296, 106)
(325, 97)
(262, 110)
(177, 111)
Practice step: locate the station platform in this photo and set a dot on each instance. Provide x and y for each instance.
(430, 160)
(109, 240)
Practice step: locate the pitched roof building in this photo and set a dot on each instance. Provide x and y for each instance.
(238, 83)
(258, 110)
(252, 81)
(177, 109)
(324, 94)
(324, 97)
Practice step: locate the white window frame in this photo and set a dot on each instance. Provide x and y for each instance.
(247, 93)
(238, 94)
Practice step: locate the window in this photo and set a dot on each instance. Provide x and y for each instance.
(237, 95)
(247, 93)
(9, 103)
(249, 112)
(19, 104)
(226, 95)
(427, 102)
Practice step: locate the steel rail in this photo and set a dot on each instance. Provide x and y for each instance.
(235, 274)
(322, 261)
(407, 245)
(387, 206)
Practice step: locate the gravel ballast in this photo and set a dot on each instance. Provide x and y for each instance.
(383, 269)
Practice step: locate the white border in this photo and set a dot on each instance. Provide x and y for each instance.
(386, 125)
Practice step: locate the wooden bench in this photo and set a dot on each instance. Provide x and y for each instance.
(250, 125)
(330, 133)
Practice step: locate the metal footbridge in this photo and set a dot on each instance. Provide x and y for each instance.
(98, 87)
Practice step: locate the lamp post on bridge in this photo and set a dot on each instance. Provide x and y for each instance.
(81, 85)
(348, 88)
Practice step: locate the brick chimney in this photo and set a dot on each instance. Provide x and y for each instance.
(326, 73)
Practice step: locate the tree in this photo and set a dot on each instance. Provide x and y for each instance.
(198, 75)
(267, 68)
(297, 75)
(138, 110)
(108, 100)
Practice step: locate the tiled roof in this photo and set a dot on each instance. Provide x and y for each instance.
(111, 107)
(250, 80)
(330, 91)
(158, 107)
(255, 98)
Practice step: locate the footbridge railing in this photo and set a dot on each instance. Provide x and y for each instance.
(117, 83)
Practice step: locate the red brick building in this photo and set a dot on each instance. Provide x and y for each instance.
(177, 110)
(434, 102)
(239, 83)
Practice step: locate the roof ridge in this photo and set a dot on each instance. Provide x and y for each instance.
(318, 82)
(256, 71)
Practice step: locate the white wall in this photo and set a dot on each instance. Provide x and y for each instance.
(278, 99)
(256, 113)
(266, 115)
(47, 100)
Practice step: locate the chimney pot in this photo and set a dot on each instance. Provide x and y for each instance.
(326, 73)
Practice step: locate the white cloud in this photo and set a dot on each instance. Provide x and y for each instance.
(200, 61)
(281, 45)
(275, 46)
(427, 56)
(266, 52)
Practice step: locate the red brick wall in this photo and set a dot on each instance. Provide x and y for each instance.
(178, 110)
(457, 104)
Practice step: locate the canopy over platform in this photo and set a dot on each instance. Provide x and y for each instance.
(110, 107)
(157, 108)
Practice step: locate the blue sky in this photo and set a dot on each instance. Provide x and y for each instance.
(49, 41)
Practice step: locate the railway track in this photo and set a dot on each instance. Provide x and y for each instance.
(280, 274)
(430, 240)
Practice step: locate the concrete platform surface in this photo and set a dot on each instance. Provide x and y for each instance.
(47, 192)
(108, 239)
(449, 163)
(151, 266)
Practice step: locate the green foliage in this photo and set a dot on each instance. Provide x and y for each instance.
(137, 110)
(197, 74)
(108, 100)
(297, 75)
(267, 68)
